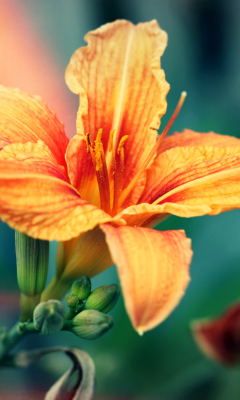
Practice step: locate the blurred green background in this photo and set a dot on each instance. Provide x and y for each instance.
(203, 58)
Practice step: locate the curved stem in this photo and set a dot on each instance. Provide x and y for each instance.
(27, 306)
(12, 338)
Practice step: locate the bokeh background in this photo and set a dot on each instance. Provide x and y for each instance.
(37, 39)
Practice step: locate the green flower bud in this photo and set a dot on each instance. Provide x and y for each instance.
(71, 300)
(81, 288)
(90, 324)
(49, 316)
(32, 263)
(103, 299)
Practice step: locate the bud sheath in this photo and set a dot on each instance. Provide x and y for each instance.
(49, 317)
(81, 288)
(32, 256)
(103, 299)
(90, 324)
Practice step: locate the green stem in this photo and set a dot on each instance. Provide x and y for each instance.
(56, 289)
(14, 336)
(27, 306)
(70, 314)
(67, 326)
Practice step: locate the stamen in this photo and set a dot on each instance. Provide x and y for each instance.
(121, 143)
(128, 189)
(110, 143)
(102, 173)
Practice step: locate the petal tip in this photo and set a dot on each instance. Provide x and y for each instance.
(140, 331)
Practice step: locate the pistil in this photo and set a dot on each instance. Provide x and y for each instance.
(118, 167)
(145, 164)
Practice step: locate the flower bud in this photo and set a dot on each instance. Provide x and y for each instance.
(49, 316)
(91, 324)
(71, 300)
(103, 299)
(32, 263)
(81, 288)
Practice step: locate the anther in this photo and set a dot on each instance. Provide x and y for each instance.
(98, 140)
(110, 143)
(88, 142)
(121, 143)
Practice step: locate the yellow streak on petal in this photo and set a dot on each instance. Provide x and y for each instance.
(110, 144)
(121, 65)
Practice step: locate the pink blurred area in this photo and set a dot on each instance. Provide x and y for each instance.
(27, 63)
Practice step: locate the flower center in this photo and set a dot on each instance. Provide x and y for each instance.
(102, 173)
(110, 204)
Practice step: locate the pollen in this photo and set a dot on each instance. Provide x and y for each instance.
(108, 198)
(88, 142)
(121, 143)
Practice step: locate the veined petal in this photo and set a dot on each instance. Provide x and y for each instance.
(191, 138)
(25, 118)
(195, 176)
(150, 215)
(36, 156)
(153, 271)
(42, 206)
(85, 255)
(121, 87)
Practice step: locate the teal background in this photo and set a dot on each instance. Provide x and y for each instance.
(203, 58)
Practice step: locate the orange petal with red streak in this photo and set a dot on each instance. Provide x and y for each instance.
(121, 87)
(195, 176)
(153, 269)
(191, 138)
(42, 206)
(36, 156)
(25, 118)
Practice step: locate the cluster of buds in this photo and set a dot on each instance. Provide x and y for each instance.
(86, 317)
(87, 310)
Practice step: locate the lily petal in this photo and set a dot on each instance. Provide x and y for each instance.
(153, 271)
(86, 255)
(42, 206)
(36, 156)
(191, 138)
(25, 118)
(150, 215)
(202, 176)
(120, 64)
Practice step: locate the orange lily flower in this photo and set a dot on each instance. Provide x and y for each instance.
(99, 194)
